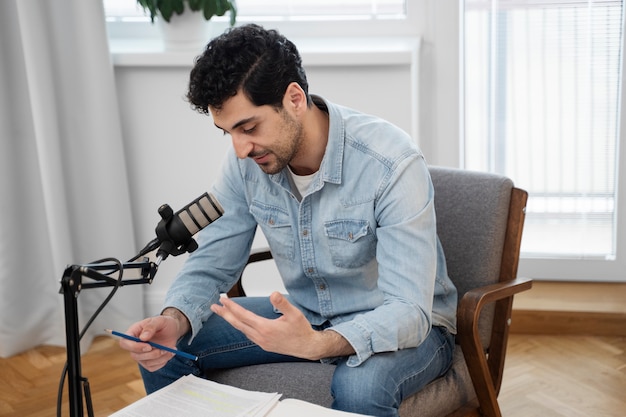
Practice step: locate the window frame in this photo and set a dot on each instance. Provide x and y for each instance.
(344, 27)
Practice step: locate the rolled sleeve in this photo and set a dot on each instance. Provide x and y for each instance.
(359, 339)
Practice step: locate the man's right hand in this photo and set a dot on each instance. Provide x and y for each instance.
(165, 329)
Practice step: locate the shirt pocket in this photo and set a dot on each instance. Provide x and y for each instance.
(351, 242)
(276, 226)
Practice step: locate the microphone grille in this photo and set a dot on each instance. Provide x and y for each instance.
(200, 213)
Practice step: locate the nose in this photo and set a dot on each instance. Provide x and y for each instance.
(242, 146)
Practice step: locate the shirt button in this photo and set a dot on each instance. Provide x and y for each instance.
(271, 222)
(305, 233)
(322, 287)
(310, 270)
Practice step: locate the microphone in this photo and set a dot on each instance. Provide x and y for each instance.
(175, 230)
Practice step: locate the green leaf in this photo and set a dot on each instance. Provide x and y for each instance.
(209, 9)
(166, 7)
(194, 5)
(233, 13)
(149, 6)
(178, 6)
(221, 7)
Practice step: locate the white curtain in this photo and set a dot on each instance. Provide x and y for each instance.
(64, 196)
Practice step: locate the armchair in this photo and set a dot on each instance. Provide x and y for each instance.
(480, 218)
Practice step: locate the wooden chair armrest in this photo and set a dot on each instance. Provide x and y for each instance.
(256, 255)
(468, 315)
(259, 254)
(475, 299)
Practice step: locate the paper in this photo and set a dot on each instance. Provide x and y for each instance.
(193, 396)
(291, 407)
(198, 397)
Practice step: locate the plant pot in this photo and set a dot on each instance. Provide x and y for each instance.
(186, 31)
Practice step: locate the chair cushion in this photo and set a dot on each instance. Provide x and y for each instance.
(455, 387)
(443, 395)
(284, 378)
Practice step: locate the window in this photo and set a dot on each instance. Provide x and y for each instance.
(295, 18)
(542, 87)
(284, 9)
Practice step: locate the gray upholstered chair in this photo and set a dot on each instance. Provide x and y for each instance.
(480, 218)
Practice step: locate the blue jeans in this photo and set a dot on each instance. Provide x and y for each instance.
(376, 387)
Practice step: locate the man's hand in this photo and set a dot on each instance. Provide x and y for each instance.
(165, 330)
(291, 334)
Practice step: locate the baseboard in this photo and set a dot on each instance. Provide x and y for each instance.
(568, 322)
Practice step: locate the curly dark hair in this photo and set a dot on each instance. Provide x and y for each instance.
(260, 62)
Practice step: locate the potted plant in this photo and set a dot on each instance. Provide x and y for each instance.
(209, 8)
(183, 23)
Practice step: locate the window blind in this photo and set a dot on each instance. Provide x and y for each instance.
(542, 100)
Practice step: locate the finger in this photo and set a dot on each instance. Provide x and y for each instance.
(233, 311)
(154, 363)
(225, 313)
(151, 355)
(281, 303)
(230, 311)
(134, 347)
(149, 327)
(143, 329)
(239, 317)
(131, 345)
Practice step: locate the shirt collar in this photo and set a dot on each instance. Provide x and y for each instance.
(332, 163)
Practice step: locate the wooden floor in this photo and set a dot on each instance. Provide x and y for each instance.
(544, 376)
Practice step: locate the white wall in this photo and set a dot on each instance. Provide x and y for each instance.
(174, 153)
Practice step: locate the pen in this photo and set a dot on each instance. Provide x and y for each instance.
(156, 345)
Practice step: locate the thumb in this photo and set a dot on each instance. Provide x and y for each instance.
(150, 327)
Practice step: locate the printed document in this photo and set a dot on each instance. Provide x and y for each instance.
(193, 396)
(198, 397)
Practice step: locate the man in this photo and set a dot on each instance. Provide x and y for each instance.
(346, 203)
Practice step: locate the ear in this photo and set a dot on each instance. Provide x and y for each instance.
(295, 99)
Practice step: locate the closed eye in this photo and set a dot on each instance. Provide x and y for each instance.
(249, 131)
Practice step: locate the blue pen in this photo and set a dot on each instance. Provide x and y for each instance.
(156, 345)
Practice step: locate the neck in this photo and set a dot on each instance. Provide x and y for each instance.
(315, 137)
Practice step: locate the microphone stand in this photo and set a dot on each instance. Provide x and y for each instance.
(71, 285)
(174, 237)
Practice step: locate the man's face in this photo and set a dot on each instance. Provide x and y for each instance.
(271, 138)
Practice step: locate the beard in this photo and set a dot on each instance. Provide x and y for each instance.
(289, 142)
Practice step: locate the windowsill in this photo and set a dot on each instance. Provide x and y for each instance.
(315, 52)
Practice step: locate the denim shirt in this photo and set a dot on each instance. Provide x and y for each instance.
(358, 253)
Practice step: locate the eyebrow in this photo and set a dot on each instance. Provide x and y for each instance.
(239, 123)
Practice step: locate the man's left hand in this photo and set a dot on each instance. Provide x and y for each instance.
(291, 334)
